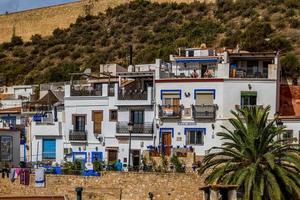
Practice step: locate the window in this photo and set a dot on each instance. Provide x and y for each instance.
(248, 98)
(287, 134)
(6, 148)
(79, 123)
(49, 149)
(137, 116)
(98, 89)
(195, 136)
(97, 119)
(190, 53)
(113, 115)
(111, 89)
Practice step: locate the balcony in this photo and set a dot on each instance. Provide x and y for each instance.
(204, 112)
(29, 107)
(146, 128)
(77, 136)
(86, 92)
(132, 95)
(239, 107)
(170, 111)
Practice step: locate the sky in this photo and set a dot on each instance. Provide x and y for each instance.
(19, 5)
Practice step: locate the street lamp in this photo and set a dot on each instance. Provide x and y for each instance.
(130, 129)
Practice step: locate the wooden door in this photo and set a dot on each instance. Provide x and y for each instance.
(112, 155)
(97, 118)
(166, 142)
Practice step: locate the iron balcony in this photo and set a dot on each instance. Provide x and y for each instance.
(145, 128)
(170, 111)
(78, 135)
(204, 112)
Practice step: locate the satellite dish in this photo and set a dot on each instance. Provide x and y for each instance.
(87, 71)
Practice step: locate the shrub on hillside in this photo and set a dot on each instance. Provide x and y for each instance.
(36, 39)
(16, 40)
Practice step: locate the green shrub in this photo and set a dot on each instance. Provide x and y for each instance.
(16, 40)
(177, 164)
(19, 52)
(36, 39)
(97, 165)
(294, 23)
(2, 55)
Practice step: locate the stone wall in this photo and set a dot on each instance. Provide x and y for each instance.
(44, 20)
(128, 186)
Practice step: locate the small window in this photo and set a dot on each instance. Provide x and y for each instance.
(111, 90)
(287, 134)
(195, 137)
(248, 98)
(113, 115)
(191, 53)
(137, 116)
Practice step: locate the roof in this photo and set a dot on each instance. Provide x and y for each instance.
(52, 97)
(10, 110)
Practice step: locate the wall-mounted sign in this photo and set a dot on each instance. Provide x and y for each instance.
(178, 138)
(187, 123)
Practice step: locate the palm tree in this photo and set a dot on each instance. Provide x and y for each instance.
(255, 157)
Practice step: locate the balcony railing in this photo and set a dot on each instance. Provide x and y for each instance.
(205, 112)
(170, 111)
(132, 95)
(77, 135)
(34, 107)
(247, 106)
(146, 128)
(86, 92)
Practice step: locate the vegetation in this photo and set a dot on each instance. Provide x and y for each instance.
(177, 164)
(256, 157)
(155, 31)
(291, 66)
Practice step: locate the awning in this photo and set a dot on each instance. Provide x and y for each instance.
(248, 93)
(213, 60)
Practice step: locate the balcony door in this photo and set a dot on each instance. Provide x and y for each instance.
(79, 122)
(171, 103)
(137, 117)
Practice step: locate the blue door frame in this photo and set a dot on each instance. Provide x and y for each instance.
(96, 154)
(79, 153)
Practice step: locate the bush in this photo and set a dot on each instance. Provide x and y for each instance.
(16, 40)
(177, 164)
(36, 39)
(2, 55)
(290, 66)
(18, 52)
(294, 23)
(97, 165)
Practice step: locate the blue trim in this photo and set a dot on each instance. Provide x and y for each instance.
(214, 60)
(79, 153)
(161, 130)
(97, 153)
(162, 91)
(205, 90)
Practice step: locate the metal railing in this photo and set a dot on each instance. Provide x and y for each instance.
(204, 112)
(170, 111)
(86, 92)
(247, 106)
(34, 107)
(145, 128)
(78, 135)
(132, 95)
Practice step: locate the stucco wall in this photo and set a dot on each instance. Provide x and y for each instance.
(135, 186)
(44, 20)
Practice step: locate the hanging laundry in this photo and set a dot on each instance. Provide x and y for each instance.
(25, 176)
(40, 180)
(12, 174)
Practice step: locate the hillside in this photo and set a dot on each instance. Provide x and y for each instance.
(155, 31)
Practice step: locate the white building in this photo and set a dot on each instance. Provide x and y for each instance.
(135, 104)
(197, 91)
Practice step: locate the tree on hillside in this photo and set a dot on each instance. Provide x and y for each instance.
(291, 67)
(256, 158)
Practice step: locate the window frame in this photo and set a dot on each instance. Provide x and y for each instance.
(131, 117)
(188, 132)
(48, 157)
(80, 127)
